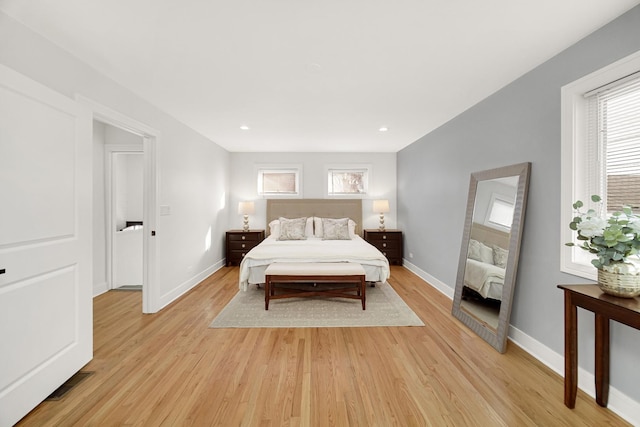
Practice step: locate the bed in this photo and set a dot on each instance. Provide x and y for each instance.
(486, 260)
(313, 249)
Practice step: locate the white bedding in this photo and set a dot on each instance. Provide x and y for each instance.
(312, 249)
(486, 279)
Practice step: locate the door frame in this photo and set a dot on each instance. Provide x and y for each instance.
(150, 140)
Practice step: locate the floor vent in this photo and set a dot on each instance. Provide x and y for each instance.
(67, 386)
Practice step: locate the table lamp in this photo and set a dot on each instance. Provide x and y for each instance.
(246, 209)
(381, 207)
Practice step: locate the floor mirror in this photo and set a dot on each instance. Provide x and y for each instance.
(490, 250)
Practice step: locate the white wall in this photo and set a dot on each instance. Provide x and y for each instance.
(193, 172)
(382, 181)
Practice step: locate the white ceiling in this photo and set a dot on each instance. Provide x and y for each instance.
(314, 75)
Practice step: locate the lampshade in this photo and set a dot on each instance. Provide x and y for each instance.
(381, 206)
(246, 208)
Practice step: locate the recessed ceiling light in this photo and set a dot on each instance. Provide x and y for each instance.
(245, 127)
(383, 129)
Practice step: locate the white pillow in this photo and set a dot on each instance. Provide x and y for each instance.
(319, 231)
(274, 228)
(292, 229)
(335, 229)
(480, 252)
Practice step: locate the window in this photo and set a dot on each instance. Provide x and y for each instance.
(279, 181)
(347, 181)
(500, 213)
(600, 148)
(614, 142)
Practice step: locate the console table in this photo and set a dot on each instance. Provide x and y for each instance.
(605, 307)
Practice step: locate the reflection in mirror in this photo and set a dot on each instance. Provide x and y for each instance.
(490, 250)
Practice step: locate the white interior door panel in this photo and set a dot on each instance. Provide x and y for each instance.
(45, 242)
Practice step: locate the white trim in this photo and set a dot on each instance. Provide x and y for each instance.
(150, 301)
(151, 137)
(100, 288)
(431, 280)
(190, 283)
(573, 135)
(619, 403)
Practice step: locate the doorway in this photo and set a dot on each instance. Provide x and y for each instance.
(145, 143)
(124, 212)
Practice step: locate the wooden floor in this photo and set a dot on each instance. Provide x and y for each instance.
(171, 369)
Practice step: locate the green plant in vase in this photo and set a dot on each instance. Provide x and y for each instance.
(613, 239)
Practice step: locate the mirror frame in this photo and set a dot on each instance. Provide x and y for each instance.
(496, 338)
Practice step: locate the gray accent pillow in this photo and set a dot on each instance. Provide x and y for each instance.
(500, 256)
(335, 229)
(292, 229)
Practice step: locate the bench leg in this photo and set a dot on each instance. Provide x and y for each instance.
(363, 292)
(267, 290)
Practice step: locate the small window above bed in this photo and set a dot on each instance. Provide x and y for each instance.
(279, 181)
(347, 181)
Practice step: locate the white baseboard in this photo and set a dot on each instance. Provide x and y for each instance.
(189, 284)
(441, 286)
(619, 402)
(99, 288)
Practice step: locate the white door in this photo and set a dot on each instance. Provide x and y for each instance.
(46, 313)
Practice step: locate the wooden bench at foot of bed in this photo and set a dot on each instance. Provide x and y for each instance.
(309, 274)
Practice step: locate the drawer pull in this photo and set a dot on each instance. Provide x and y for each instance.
(384, 236)
(384, 245)
(384, 253)
(242, 255)
(243, 237)
(243, 245)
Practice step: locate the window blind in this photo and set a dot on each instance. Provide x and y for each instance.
(613, 138)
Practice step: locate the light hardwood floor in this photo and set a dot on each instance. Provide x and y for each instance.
(171, 369)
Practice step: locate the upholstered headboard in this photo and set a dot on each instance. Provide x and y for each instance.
(490, 236)
(324, 208)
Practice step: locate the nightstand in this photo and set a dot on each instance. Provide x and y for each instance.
(389, 242)
(239, 242)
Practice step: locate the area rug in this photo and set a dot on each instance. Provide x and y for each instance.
(384, 308)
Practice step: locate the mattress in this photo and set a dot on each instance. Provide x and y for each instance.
(486, 279)
(313, 249)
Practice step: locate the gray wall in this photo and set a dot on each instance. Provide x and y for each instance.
(520, 123)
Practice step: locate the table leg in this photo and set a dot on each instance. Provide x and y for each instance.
(602, 359)
(570, 351)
